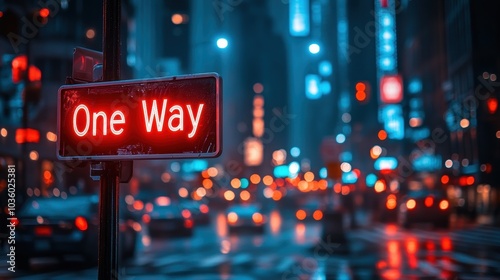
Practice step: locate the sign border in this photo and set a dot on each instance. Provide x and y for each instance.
(218, 112)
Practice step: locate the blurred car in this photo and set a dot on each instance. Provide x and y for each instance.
(425, 206)
(199, 211)
(245, 217)
(57, 227)
(312, 210)
(168, 218)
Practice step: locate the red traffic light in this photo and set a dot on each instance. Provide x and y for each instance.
(360, 92)
(492, 104)
(19, 65)
(391, 89)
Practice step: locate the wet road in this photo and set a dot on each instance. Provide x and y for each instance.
(291, 250)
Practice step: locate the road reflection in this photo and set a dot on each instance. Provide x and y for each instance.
(300, 233)
(404, 253)
(221, 225)
(275, 222)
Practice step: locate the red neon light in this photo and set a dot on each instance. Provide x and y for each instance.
(140, 119)
(492, 104)
(391, 89)
(117, 117)
(27, 135)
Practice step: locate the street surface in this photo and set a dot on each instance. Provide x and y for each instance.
(293, 250)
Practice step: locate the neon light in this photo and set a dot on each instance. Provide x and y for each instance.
(104, 120)
(299, 17)
(147, 119)
(179, 116)
(386, 163)
(154, 113)
(87, 114)
(114, 121)
(193, 120)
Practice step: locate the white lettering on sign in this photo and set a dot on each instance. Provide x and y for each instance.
(193, 120)
(87, 124)
(179, 116)
(116, 118)
(154, 113)
(114, 121)
(175, 121)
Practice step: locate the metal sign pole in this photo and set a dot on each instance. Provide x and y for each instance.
(109, 190)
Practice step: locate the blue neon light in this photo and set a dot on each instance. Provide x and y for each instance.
(386, 163)
(313, 86)
(299, 17)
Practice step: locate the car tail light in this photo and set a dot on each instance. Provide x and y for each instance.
(146, 218)
(15, 221)
(186, 214)
(257, 218)
(232, 218)
(81, 223)
(318, 215)
(188, 223)
(443, 205)
(43, 231)
(410, 204)
(204, 209)
(300, 214)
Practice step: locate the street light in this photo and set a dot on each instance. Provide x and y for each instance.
(222, 43)
(314, 48)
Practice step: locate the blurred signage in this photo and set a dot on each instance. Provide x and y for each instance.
(391, 89)
(27, 135)
(313, 83)
(392, 118)
(281, 171)
(386, 163)
(349, 177)
(175, 117)
(427, 163)
(299, 17)
(254, 151)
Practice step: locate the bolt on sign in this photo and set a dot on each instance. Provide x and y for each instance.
(163, 118)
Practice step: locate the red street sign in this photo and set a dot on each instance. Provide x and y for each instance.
(164, 118)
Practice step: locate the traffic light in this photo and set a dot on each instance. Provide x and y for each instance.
(33, 85)
(19, 66)
(362, 92)
(42, 16)
(492, 104)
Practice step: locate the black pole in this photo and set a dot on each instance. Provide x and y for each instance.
(109, 191)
